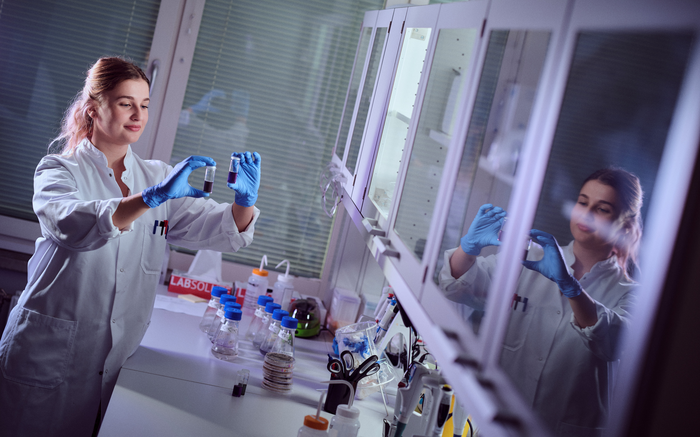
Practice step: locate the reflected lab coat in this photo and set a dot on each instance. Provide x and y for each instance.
(91, 288)
(563, 371)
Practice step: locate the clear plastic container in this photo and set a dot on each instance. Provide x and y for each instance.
(212, 308)
(270, 307)
(282, 290)
(219, 314)
(272, 330)
(254, 326)
(313, 427)
(345, 423)
(257, 285)
(225, 345)
(284, 343)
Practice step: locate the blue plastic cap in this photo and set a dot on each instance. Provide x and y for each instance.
(278, 314)
(271, 306)
(226, 298)
(233, 314)
(289, 322)
(217, 291)
(231, 304)
(263, 299)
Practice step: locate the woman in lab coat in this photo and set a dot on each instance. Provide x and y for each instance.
(571, 302)
(105, 215)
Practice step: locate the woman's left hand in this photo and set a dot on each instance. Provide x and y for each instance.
(552, 265)
(248, 180)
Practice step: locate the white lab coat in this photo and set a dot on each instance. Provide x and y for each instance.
(561, 370)
(91, 288)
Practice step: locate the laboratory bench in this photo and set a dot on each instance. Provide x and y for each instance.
(172, 385)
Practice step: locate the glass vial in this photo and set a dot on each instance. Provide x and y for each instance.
(284, 343)
(212, 308)
(209, 173)
(233, 169)
(270, 307)
(225, 345)
(272, 331)
(254, 326)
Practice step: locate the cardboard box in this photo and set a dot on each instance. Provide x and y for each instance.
(180, 283)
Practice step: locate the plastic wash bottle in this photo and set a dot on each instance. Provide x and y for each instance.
(282, 290)
(257, 285)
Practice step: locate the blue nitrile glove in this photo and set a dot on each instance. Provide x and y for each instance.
(175, 185)
(552, 265)
(484, 229)
(248, 180)
(204, 103)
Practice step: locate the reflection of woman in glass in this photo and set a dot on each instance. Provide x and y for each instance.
(570, 306)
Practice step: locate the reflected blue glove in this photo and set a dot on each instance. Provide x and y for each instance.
(204, 103)
(484, 229)
(175, 185)
(248, 181)
(552, 265)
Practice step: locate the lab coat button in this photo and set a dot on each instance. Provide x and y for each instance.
(558, 312)
(114, 321)
(539, 359)
(121, 270)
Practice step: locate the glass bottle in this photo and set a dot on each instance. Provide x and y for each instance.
(225, 345)
(284, 343)
(212, 308)
(216, 325)
(219, 314)
(257, 319)
(267, 317)
(272, 330)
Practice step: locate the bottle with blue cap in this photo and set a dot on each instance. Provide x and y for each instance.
(228, 305)
(212, 308)
(225, 345)
(218, 317)
(270, 307)
(284, 343)
(254, 326)
(272, 330)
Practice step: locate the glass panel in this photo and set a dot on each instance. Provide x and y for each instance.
(398, 117)
(512, 68)
(560, 348)
(367, 91)
(435, 127)
(46, 48)
(352, 92)
(278, 90)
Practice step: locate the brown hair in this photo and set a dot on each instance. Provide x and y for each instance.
(103, 76)
(630, 196)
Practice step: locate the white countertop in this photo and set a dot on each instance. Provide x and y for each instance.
(174, 386)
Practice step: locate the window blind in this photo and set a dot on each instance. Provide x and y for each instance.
(271, 77)
(45, 49)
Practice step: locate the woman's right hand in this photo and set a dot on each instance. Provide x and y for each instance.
(484, 229)
(175, 185)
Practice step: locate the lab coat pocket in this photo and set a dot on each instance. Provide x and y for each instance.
(518, 327)
(37, 349)
(152, 251)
